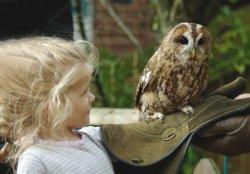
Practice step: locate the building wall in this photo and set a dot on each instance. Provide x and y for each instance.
(138, 16)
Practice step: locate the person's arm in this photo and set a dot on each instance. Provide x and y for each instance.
(28, 163)
(229, 137)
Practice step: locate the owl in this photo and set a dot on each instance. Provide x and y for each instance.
(176, 75)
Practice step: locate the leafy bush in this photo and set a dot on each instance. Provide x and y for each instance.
(230, 51)
(119, 76)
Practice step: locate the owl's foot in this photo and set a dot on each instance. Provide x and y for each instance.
(188, 110)
(157, 115)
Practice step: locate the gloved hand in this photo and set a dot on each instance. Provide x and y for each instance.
(229, 137)
(166, 141)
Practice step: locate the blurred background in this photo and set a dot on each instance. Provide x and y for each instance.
(127, 32)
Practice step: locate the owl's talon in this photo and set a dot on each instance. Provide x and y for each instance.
(148, 119)
(157, 115)
(188, 110)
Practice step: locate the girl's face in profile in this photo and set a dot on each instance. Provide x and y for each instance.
(81, 104)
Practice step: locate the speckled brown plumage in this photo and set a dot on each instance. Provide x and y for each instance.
(176, 75)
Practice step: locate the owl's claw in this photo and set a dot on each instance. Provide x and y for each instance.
(148, 119)
(188, 110)
(157, 115)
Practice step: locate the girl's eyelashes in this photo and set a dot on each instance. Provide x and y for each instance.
(86, 91)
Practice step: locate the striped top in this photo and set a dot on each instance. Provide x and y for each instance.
(86, 155)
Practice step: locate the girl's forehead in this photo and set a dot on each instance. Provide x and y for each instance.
(84, 82)
(81, 84)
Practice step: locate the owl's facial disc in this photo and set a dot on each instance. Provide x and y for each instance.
(191, 42)
(190, 48)
(200, 41)
(200, 44)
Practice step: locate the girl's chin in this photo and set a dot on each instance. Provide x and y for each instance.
(87, 119)
(85, 124)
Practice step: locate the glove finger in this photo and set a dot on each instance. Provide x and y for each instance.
(228, 144)
(222, 127)
(215, 144)
(242, 96)
(231, 90)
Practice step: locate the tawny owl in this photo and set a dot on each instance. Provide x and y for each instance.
(176, 75)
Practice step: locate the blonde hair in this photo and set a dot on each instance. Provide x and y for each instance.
(35, 75)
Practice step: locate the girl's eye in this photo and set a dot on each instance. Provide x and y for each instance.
(85, 92)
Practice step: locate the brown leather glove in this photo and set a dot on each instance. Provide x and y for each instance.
(229, 137)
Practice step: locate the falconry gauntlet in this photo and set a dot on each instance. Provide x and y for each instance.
(160, 146)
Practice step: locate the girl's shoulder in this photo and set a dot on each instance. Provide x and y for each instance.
(31, 152)
(30, 161)
(35, 151)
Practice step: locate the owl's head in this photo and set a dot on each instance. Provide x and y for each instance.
(189, 42)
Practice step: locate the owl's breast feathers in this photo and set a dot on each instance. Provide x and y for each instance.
(174, 84)
(185, 83)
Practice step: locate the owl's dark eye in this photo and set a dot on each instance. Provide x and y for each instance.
(182, 40)
(201, 41)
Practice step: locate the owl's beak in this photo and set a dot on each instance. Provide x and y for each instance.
(193, 52)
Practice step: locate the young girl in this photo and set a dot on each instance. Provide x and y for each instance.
(44, 100)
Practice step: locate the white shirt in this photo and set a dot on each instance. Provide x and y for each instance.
(84, 156)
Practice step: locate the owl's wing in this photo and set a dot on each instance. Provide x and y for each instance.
(142, 84)
(150, 77)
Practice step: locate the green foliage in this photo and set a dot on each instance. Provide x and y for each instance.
(119, 76)
(191, 159)
(230, 51)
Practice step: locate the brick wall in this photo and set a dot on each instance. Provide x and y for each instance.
(138, 16)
